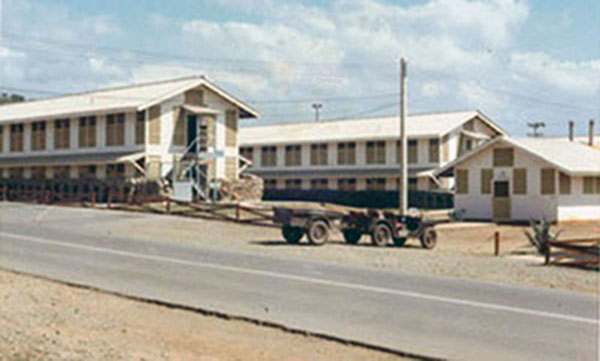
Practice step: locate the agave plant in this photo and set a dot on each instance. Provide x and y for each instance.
(541, 234)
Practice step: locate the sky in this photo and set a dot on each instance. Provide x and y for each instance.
(517, 61)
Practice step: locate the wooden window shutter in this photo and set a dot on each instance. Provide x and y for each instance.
(486, 180)
(434, 150)
(564, 183)
(413, 151)
(154, 125)
(547, 181)
(462, 181)
(120, 129)
(598, 185)
(231, 127)
(504, 157)
(520, 181)
(179, 136)
(370, 152)
(588, 185)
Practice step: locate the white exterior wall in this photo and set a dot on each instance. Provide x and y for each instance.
(524, 207)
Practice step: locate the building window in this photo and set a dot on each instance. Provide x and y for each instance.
(38, 136)
(318, 154)
(434, 150)
(270, 184)
(115, 129)
(16, 138)
(15, 173)
(413, 151)
(468, 144)
(203, 137)
(375, 184)
(62, 172)
(87, 132)
(268, 156)
(591, 185)
(347, 184)
(115, 171)
(346, 153)
(248, 153)
(462, 181)
(87, 172)
(564, 183)
(38, 173)
(319, 184)
(62, 133)
(293, 184)
(503, 157)
(412, 184)
(140, 127)
(376, 152)
(548, 181)
(487, 175)
(520, 181)
(293, 155)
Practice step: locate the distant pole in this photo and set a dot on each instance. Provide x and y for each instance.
(317, 107)
(591, 133)
(403, 184)
(535, 126)
(571, 130)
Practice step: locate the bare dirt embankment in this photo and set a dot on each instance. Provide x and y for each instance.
(44, 320)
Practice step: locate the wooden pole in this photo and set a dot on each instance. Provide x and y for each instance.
(547, 253)
(403, 183)
(108, 195)
(93, 198)
(5, 192)
(496, 243)
(168, 205)
(237, 212)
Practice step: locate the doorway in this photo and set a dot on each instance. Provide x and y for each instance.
(192, 133)
(501, 200)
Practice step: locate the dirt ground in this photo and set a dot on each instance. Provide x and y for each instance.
(463, 250)
(53, 321)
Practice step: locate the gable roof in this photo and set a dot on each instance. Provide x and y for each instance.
(131, 97)
(573, 158)
(417, 126)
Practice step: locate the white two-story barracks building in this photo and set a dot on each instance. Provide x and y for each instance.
(361, 154)
(120, 133)
(511, 179)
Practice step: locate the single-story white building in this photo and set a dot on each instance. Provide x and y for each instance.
(510, 179)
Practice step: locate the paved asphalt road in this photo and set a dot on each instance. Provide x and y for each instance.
(435, 316)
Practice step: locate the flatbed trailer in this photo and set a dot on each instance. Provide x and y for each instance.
(384, 228)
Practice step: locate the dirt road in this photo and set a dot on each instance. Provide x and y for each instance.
(43, 320)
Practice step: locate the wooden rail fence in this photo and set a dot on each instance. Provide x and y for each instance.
(576, 252)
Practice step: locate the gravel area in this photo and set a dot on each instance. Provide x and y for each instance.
(52, 321)
(463, 250)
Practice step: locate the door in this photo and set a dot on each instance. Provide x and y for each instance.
(501, 200)
(192, 132)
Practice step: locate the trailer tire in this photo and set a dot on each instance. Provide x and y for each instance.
(318, 232)
(381, 235)
(292, 235)
(429, 239)
(399, 241)
(352, 235)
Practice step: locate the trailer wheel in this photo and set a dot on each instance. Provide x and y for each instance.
(292, 235)
(352, 236)
(429, 239)
(399, 241)
(381, 235)
(318, 232)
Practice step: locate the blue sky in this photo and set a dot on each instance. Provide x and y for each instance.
(516, 60)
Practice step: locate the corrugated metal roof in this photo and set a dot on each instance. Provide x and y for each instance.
(575, 158)
(421, 125)
(138, 97)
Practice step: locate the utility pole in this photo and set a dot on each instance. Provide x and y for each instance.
(535, 126)
(403, 184)
(317, 107)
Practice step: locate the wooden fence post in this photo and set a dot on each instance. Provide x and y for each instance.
(5, 192)
(547, 253)
(496, 243)
(168, 208)
(108, 195)
(237, 212)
